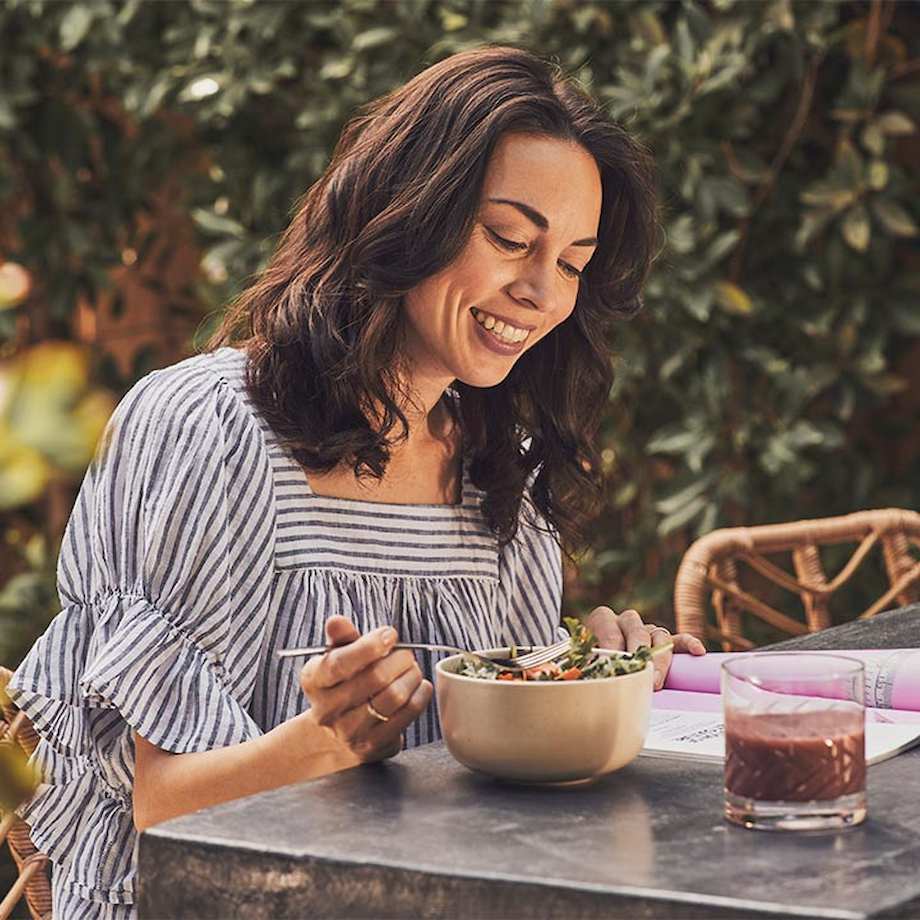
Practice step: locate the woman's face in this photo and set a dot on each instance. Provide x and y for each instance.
(517, 277)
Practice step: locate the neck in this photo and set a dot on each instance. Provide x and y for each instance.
(428, 417)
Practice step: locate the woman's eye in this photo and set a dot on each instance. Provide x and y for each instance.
(507, 244)
(570, 270)
(513, 246)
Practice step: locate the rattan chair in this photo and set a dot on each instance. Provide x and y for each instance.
(712, 566)
(33, 880)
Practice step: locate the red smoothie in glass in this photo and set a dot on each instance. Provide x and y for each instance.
(795, 757)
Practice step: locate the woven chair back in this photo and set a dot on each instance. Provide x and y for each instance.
(711, 570)
(33, 881)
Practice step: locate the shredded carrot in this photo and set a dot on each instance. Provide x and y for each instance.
(571, 674)
(550, 668)
(506, 676)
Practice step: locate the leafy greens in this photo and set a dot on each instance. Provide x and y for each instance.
(581, 662)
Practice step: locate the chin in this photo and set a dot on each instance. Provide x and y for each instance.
(484, 377)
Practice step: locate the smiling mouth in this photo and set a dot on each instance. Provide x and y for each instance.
(503, 331)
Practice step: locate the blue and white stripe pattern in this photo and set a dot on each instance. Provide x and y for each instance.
(196, 549)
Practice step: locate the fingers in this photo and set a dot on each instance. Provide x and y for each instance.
(359, 672)
(373, 683)
(372, 739)
(638, 633)
(626, 631)
(344, 662)
(662, 662)
(396, 693)
(602, 621)
(358, 721)
(340, 631)
(383, 736)
(684, 642)
(635, 632)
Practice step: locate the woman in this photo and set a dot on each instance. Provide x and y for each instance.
(389, 438)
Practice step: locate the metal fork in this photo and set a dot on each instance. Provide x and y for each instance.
(533, 659)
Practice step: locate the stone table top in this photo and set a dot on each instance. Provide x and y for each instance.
(892, 629)
(421, 836)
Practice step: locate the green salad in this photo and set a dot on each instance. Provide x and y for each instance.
(581, 662)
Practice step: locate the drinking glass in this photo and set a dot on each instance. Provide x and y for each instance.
(794, 741)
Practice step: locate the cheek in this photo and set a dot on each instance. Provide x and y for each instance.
(569, 308)
(421, 304)
(565, 310)
(557, 318)
(481, 265)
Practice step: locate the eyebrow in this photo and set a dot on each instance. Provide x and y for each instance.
(535, 217)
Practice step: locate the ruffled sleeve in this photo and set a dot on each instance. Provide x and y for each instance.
(164, 578)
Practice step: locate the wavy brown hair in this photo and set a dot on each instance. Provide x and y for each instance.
(323, 324)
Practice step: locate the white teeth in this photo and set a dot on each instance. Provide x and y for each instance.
(500, 329)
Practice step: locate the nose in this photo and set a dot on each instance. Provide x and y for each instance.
(534, 284)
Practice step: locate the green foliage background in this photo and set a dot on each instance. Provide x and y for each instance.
(769, 377)
(773, 374)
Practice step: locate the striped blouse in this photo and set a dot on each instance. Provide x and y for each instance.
(195, 550)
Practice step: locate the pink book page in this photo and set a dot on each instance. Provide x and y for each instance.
(892, 675)
(687, 701)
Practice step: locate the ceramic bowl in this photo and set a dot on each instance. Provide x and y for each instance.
(543, 731)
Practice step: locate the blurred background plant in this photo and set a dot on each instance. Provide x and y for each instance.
(151, 152)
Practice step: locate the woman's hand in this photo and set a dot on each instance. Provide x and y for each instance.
(626, 632)
(337, 732)
(363, 692)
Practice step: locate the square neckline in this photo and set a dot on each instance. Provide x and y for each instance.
(300, 483)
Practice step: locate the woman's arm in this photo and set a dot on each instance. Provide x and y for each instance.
(167, 785)
(362, 695)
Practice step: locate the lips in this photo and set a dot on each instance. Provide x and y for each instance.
(507, 320)
(494, 343)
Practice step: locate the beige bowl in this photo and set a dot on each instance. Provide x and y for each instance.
(543, 731)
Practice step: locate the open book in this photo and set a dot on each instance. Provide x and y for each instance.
(687, 721)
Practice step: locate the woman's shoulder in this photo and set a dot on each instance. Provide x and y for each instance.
(200, 373)
(191, 389)
(192, 407)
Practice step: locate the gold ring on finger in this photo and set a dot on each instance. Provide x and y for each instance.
(657, 629)
(377, 715)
